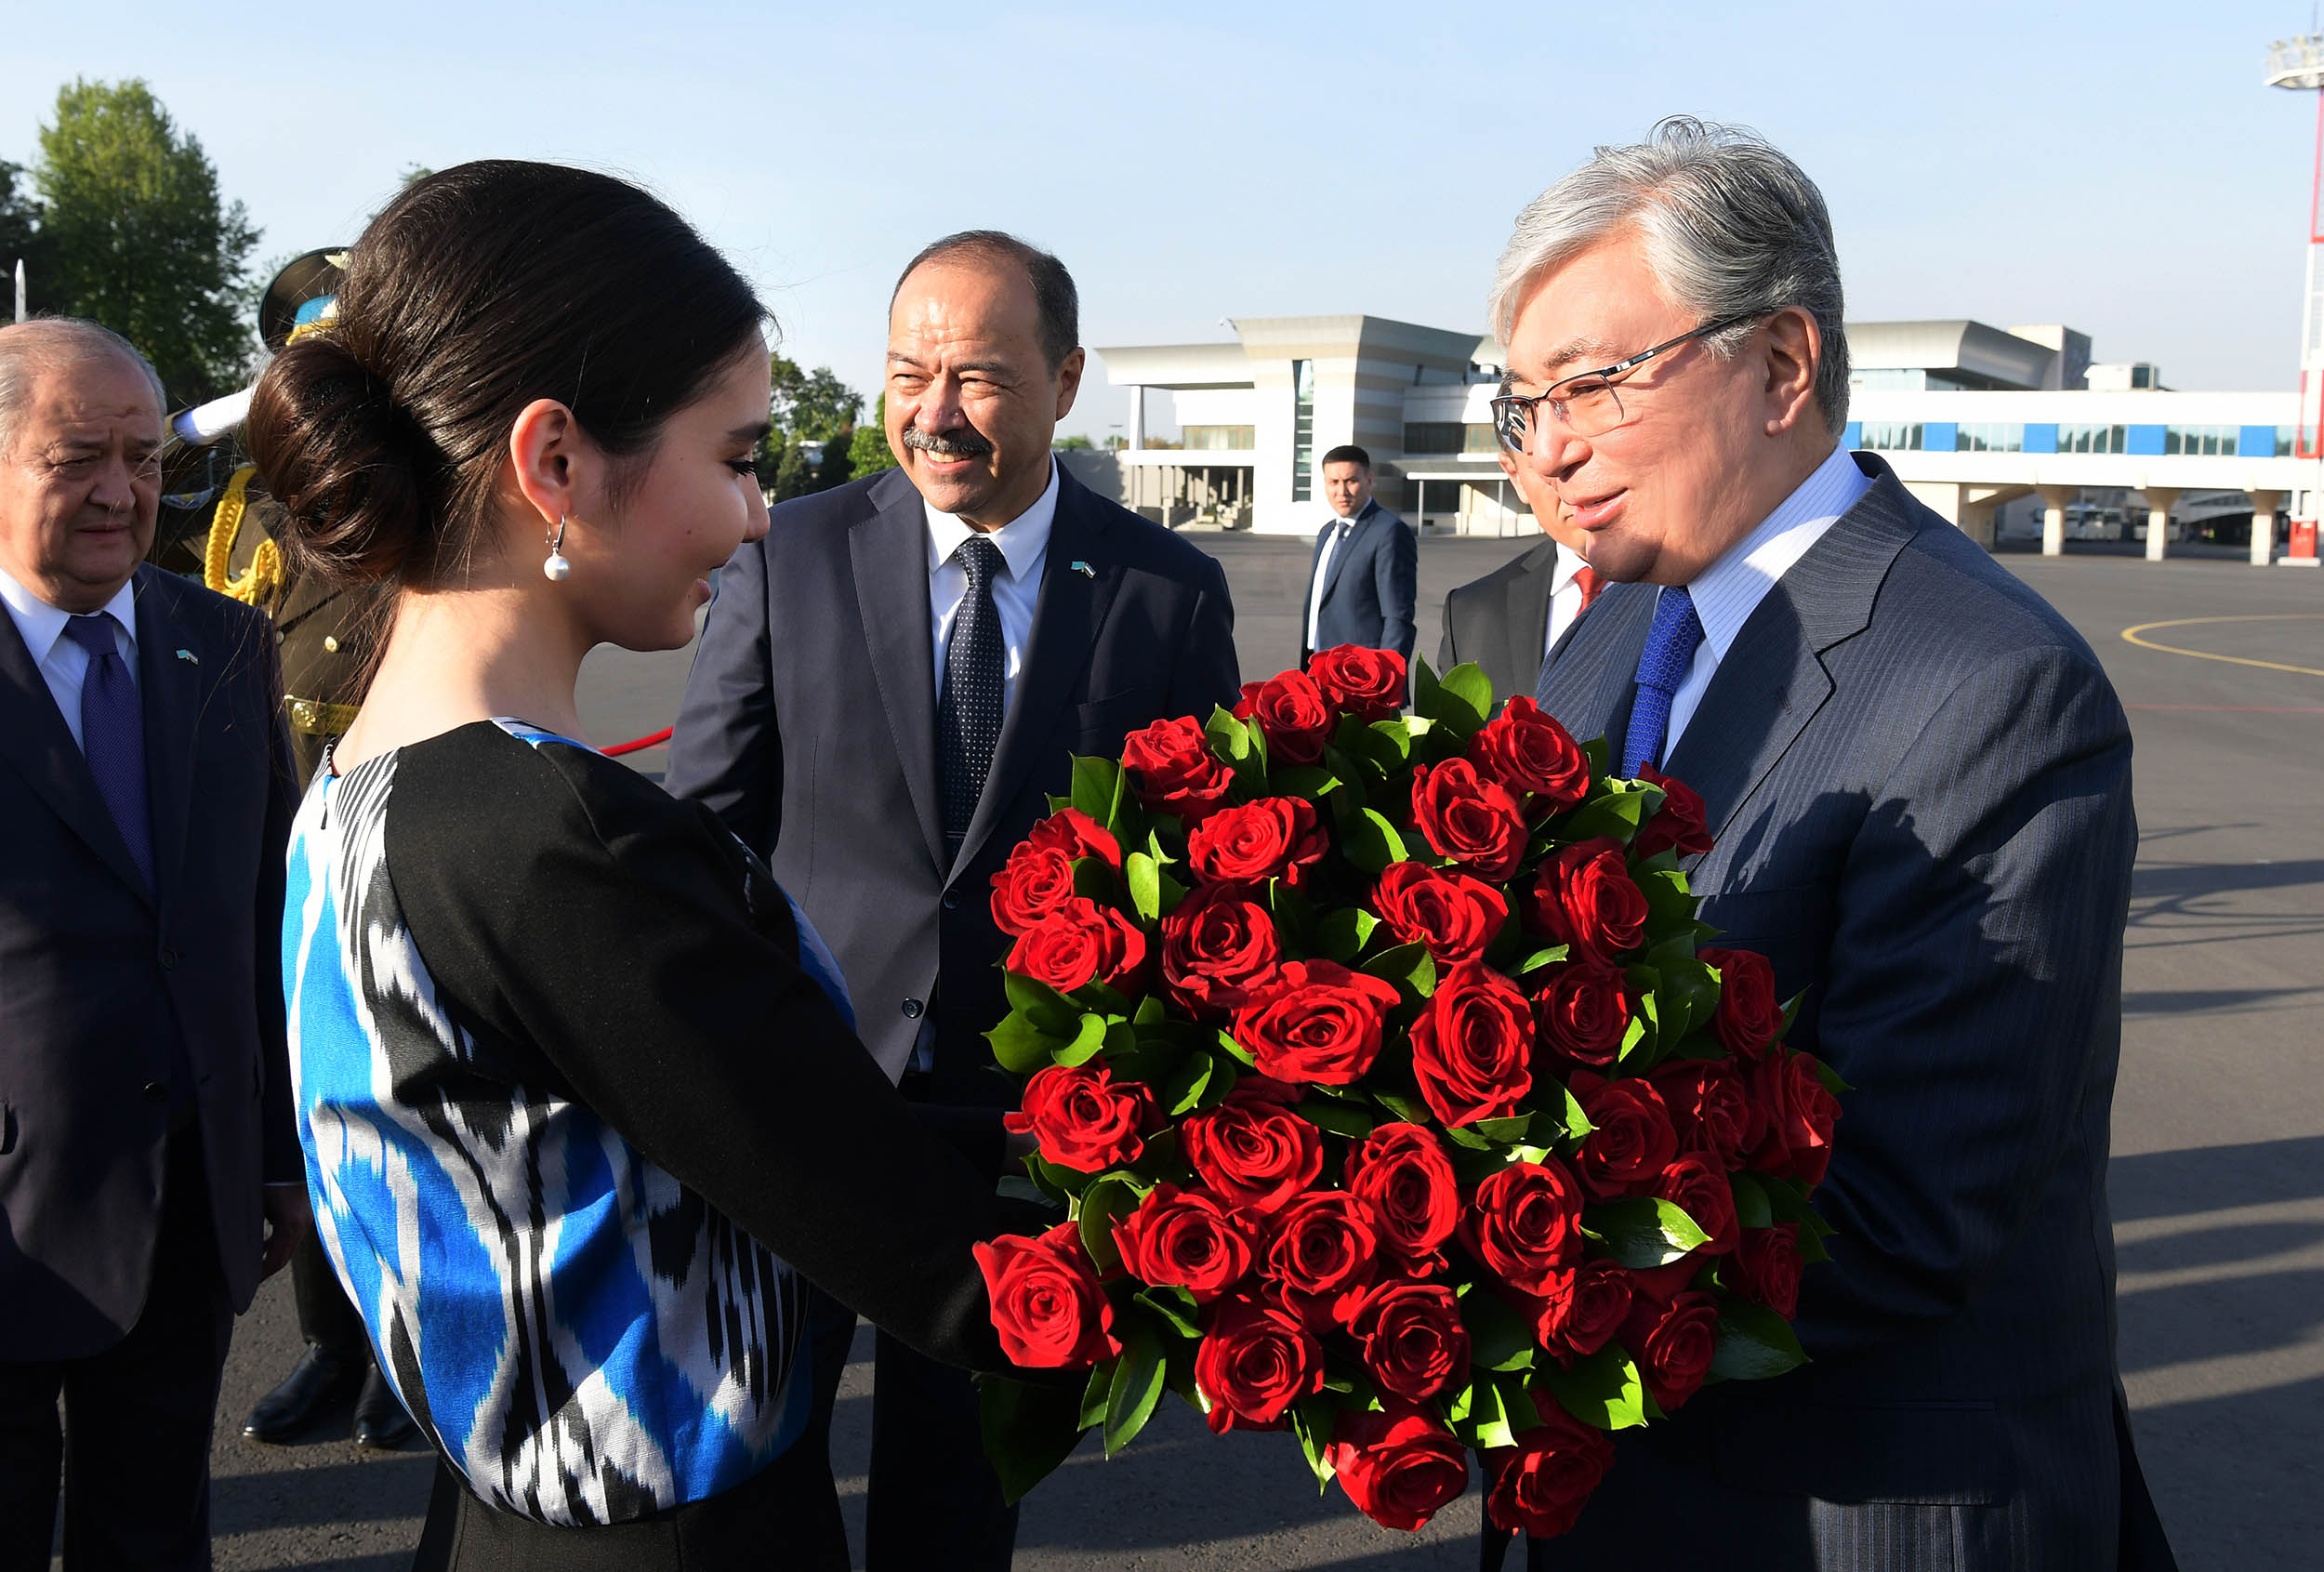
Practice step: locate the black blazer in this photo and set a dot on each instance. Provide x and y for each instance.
(98, 974)
(1370, 588)
(1920, 782)
(1502, 621)
(809, 725)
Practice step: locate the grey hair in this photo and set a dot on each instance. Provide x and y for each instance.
(46, 341)
(1730, 226)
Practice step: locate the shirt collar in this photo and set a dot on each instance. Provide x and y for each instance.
(1569, 562)
(1357, 517)
(42, 625)
(1024, 540)
(1727, 592)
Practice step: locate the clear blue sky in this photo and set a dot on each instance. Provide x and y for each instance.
(2119, 167)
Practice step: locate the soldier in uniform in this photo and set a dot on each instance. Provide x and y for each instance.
(217, 525)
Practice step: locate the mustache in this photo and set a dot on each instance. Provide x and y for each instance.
(958, 443)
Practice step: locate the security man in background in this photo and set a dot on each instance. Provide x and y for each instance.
(1365, 578)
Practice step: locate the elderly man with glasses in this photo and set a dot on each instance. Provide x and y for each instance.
(1920, 783)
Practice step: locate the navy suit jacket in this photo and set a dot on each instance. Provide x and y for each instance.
(1920, 783)
(98, 973)
(1370, 588)
(809, 725)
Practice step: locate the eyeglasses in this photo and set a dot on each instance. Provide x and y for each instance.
(1586, 403)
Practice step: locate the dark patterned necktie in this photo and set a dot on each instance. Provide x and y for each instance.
(112, 735)
(1661, 668)
(967, 717)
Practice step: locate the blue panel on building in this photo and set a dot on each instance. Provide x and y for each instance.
(1853, 438)
(1940, 436)
(2143, 441)
(2042, 438)
(2256, 442)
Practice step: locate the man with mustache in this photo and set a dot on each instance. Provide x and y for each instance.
(889, 687)
(1512, 621)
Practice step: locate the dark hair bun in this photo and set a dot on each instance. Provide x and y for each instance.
(347, 465)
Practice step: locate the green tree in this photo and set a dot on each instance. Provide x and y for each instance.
(868, 451)
(1074, 444)
(139, 239)
(812, 405)
(21, 240)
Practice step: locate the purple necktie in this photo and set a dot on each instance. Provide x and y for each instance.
(112, 735)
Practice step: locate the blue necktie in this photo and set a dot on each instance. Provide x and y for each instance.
(112, 735)
(1661, 668)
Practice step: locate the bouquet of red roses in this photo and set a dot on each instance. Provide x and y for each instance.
(1393, 1098)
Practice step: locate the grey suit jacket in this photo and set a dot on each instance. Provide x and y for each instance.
(1370, 586)
(809, 725)
(98, 973)
(1919, 781)
(1502, 622)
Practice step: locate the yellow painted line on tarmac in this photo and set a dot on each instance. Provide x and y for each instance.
(2131, 635)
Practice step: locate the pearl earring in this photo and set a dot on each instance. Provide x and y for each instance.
(558, 567)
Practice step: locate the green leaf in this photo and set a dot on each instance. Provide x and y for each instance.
(1411, 1110)
(1343, 932)
(1150, 1011)
(1540, 959)
(1096, 784)
(1093, 1396)
(1643, 1230)
(1500, 1338)
(1021, 1048)
(1236, 1051)
(1575, 1124)
(1312, 1420)
(1508, 1132)
(1371, 843)
(1310, 781)
(1478, 1416)
(1093, 879)
(1056, 1176)
(1468, 684)
(1334, 1117)
(1137, 1387)
(1689, 994)
(1752, 1209)
(1113, 1198)
(1603, 1390)
(1616, 811)
(1088, 1041)
(1173, 1304)
(1170, 892)
(1048, 1010)
(1145, 887)
(1182, 1093)
(1422, 681)
(1754, 1342)
(1408, 966)
(1028, 1430)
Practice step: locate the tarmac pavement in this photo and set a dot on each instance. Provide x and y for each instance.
(2217, 1180)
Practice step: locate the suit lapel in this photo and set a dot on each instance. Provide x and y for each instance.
(889, 551)
(1065, 620)
(170, 695)
(35, 739)
(1526, 620)
(1356, 530)
(1590, 685)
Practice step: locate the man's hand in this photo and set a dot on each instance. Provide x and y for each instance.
(287, 1220)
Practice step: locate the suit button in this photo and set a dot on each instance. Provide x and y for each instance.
(156, 1092)
(170, 959)
(952, 901)
(912, 1009)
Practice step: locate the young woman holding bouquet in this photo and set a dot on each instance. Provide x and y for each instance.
(579, 1086)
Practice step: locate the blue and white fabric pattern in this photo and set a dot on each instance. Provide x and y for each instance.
(587, 1341)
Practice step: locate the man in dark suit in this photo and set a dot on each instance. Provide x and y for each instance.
(889, 687)
(1512, 621)
(1920, 783)
(1362, 586)
(150, 1173)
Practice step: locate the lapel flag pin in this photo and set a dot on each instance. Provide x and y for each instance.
(190, 655)
(1084, 569)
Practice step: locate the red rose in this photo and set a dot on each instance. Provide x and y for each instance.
(1583, 897)
(1710, 1108)
(1529, 752)
(1472, 1046)
(1672, 1344)
(1256, 1360)
(1036, 882)
(1079, 943)
(1251, 1149)
(1366, 683)
(1048, 1306)
(1218, 945)
(1697, 1186)
(1541, 1484)
(1454, 916)
(1401, 1173)
(1750, 1016)
(1397, 1464)
(1086, 1120)
(1799, 1112)
(1678, 825)
(1470, 818)
(1524, 1224)
(1633, 1141)
(1291, 714)
(1173, 771)
(1184, 1237)
(1323, 1256)
(1584, 1012)
(1274, 838)
(1413, 1341)
(1076, 835)
(1765, 1268)
(1317, 1022)
(1580, 1311)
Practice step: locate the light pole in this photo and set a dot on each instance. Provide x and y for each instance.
(2298, 64)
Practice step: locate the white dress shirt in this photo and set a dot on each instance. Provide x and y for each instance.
(1727, 592)
(1337, 533)
(63, 663)
(1564, 596)
(1023, 542)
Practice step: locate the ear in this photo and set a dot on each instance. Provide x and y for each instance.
(1793, 348)
(1069, 382)
(553, 463)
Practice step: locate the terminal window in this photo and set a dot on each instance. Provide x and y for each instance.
(1893, 436)
(1216, 438)
(2208, 441)
(1302, 430)
(2090, 439)
(1990, 438)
